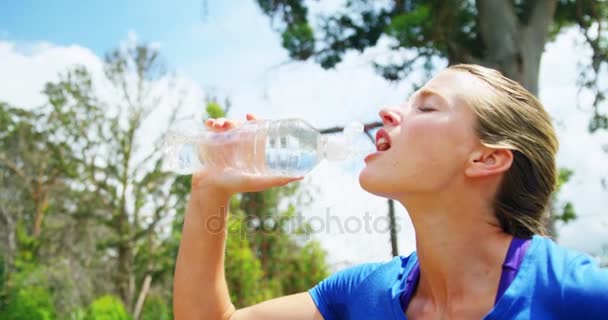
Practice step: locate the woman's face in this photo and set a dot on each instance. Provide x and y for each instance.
(425, 144)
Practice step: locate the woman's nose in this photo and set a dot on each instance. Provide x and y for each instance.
(390, 117)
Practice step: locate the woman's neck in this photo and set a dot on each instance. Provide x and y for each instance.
(460, 249)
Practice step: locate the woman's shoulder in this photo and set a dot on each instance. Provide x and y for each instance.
(361, 287)
(576, 278)
(559, 257)
(368, 276)
(352, 277)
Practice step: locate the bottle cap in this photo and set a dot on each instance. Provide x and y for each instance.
(340, 147)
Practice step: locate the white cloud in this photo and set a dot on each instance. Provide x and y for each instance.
(24, 69)
(326, 98)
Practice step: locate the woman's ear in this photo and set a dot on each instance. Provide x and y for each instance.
(488, 162)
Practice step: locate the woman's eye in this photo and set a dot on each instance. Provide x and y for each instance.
(425, 109)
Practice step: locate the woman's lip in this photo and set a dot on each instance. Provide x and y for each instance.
(372, 155)
(382, 133)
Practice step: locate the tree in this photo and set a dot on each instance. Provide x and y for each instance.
(82, 199)
(508, 35)
(274, 231)
(125, 194)
(43, 244)
(32, 172)
(132, 192)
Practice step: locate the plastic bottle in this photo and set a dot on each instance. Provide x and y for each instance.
(287, 147)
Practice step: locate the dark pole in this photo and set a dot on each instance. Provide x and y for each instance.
(391, 204)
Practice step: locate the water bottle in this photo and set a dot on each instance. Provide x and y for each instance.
(286, 147)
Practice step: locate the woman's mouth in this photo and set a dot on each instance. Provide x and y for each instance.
(383, 140)
(383, 143)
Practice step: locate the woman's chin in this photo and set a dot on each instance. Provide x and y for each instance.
(370, 182)
(378, 185)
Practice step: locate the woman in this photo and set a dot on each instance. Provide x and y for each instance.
(471, 156)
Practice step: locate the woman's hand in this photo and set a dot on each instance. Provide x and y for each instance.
(225, 181)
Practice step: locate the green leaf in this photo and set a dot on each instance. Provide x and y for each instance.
(299, 41)
(107, 308)
(214, 110)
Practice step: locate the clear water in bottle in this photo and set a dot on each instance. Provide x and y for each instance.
(288, 147)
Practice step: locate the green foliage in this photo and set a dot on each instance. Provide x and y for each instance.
(28, 247)
(566, 212)
(214, 110)
(598, 122)
(77, 314)
(299, 41)
(447, 29)
(107, 308)
(126, 193)
(29, 303)
(308, 267)
(87, 216)
(421, 32)
(244, 274)
(572, 12)
(156, 308)
(275, 233)
(3, 283)
(265, 256)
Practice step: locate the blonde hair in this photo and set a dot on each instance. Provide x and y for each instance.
(511, 117)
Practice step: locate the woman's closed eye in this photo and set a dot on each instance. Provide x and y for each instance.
(424, 108)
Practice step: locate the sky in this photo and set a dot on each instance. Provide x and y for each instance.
(229, 49)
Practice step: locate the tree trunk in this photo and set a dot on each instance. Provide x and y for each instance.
(142, 296)
(10, 239)
(124, 272)
(512, 47)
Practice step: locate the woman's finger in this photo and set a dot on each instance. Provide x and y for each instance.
(209, 123)
(220, 124)
(250, 117)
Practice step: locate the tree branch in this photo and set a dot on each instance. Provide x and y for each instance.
(142, 296)
(13, 167)
(366, 127)
(155, 221)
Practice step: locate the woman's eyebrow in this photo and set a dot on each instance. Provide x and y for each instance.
(425, 93)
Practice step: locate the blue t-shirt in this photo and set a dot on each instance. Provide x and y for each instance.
(552, 283)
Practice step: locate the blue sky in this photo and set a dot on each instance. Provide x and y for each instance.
(98, 25)
(204, 39)
(231, 51)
